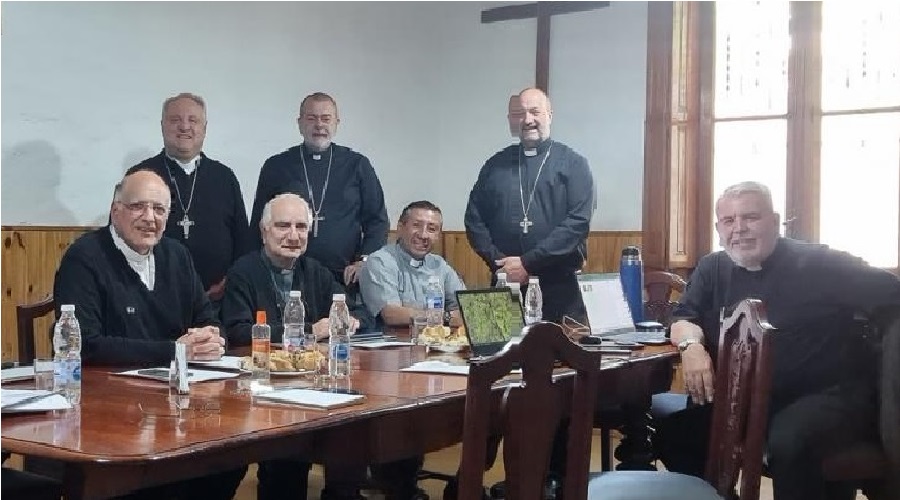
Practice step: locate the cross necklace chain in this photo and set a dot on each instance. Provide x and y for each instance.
(312, 197)
(525, 224)
(185, 221)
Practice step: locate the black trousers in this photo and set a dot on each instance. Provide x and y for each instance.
(219, 486)
(288, 479)
(561, 298)
(800, 433)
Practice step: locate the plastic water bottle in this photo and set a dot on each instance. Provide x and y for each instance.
(339, 338)
(67, 354)
(261, 342)
(515, 289)
(501, 280)
(534, 302)
(434, 302)
(631, 273)
(293, 338)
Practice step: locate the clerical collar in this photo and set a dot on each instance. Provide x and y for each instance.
(541, 148)
(315, 155)
(143, 265)
(187, 166)
(273, 266)
(413, 262)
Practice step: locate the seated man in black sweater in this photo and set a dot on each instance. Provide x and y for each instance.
(136, 294)
(823, 389)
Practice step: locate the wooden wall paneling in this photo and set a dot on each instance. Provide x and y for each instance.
(605, 249)
(30, 257)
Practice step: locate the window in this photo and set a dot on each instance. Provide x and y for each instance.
(803, 96)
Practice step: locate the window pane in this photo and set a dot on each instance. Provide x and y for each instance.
(860, 54)
(860, 185)
(752, 43)
(751, 151)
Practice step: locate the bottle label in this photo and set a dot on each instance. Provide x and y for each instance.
(340, 351)
(435, 302)
(76, 371)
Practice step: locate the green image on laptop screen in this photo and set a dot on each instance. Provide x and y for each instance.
(490, 316)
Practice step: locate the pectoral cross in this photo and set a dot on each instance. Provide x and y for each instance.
(186, 224)
(524, 224)
(316, 218)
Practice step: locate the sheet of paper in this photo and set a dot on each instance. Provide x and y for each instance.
(12, 396)
(434, 366)
(224, 363)
(18, 373)
(311, 398)
(605, 302)
(194, 375)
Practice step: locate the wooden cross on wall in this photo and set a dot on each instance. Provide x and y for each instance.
(543, 11)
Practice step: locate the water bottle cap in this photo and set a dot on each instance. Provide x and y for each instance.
(338, 297)
(515, 284)
(260, 317)
(533, 280)
(67, 308)
(501, 274)
(631, 251)
(295, 294)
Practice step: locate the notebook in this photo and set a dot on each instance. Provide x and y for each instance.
(608, 311)
(491, 317)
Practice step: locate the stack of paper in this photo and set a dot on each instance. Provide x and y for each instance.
(434, 366)
(18, 373)
(311, 398)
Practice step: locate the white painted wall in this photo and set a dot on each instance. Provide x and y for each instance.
(422, 90)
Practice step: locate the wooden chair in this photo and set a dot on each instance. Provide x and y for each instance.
(659, 286)
(25, 316)
(738, 434)
(531, 412)
(874, 466)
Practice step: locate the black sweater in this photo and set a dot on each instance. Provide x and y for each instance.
(220, 233)
(250, 288)
(122, 322)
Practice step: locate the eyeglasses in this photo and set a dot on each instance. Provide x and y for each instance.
(139, 207)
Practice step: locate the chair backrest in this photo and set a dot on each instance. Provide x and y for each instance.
(741, 401)
(25, 316)
(888, 325)
(529, 414)
(659, 286)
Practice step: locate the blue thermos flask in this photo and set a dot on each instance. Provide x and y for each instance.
(631, 272)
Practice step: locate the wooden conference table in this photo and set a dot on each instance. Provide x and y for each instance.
(125, 436)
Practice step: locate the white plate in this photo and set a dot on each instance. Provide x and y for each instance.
(447, 347)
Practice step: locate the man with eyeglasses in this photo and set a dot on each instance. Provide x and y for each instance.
(207, 212)
(135, 295)
(349, 217)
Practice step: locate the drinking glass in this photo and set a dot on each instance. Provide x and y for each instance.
(43, 374)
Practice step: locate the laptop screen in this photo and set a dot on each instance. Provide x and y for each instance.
(491, 316)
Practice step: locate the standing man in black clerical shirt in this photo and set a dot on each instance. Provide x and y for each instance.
(530, 210)
(207, 214)
(349, 216)
(135, 295)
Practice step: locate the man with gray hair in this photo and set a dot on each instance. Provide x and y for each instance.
(263, 280)
(207, 214)
(823, 390)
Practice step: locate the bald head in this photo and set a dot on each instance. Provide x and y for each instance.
(140, 209)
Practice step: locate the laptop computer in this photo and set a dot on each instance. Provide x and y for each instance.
(608, 312)
(491, 317)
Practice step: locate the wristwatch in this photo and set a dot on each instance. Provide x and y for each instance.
(684, 344)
